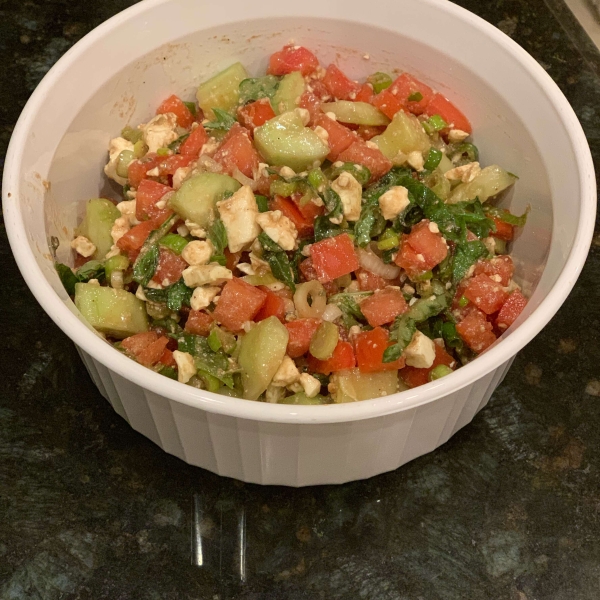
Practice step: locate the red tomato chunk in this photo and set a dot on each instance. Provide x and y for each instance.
(170, 267)
(439, 105)
(476, 331)
(334, 257)
(148, 194)
(510, 310)
(340, 137)
(342, 358)
(237, 151)
(174, 104)
(274, 306)
(301, 332)
(370, 346)
(292, 58)
(193, 144)
(499, 266)
(239, 302)
(422, 249)
(340, 86)
(383, 307)
(199, 322)
(255, 114)
(414, 377)
(372, 158)
(504, 231)
(485, 293)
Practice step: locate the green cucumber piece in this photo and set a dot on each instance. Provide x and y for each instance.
(352, 385)
(261, 351)
(221, 91)
(196, 198)
(115, 312)
(404, 134)
(357, 113)
(100, 215)
(285, 141)
(291, 87)
(491, 181)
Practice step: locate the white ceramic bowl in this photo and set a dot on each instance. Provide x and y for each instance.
(121, 71)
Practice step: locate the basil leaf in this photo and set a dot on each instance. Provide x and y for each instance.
(281, 268)
(259, 87)
(174, 146)
(507, 216)
(146, 264)
(217, 234)
(67, 277)
(348, 303)
(223, 120)
(262, 202)
(465, 255)
(93, 269)
(178, 295)
(324, 228)
(359, 172)
(159, 296)
(215, 364)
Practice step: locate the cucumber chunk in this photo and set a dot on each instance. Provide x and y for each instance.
(404, 134)
(115, 312)
(291, 87)
(358, 113)
(221, 91)
(285, 141)
(491, 181)
(261, 351)
(352, 385)
(196, 198)
(100, 215)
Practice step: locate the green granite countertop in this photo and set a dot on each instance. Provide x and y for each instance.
(508, 509)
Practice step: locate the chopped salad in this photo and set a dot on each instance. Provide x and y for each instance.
(299, 237)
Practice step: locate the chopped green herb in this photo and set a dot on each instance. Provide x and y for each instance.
(262, 203)
(223, 121)
(191, 106)
(278, 261)
(174, 146)
(257, 88)
(146, 263)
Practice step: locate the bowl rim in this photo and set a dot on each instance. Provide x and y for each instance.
(501, 353)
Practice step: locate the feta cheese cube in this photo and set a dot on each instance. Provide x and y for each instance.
(120, 227)
(116, 146)
(160, 131)
(420, 353)
(457, 135)
(415, 160)
(127, 209)
(286, 374)
(239, 215)
(393, 202)
(198, 275)
(310, 384)
(287, 172)
(203, 296)
(279, 228)
(186, 367)
(465, 173)
(197, 252)
(83, 246)
(350, 193)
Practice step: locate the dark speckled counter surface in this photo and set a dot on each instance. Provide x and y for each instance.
(508, 509)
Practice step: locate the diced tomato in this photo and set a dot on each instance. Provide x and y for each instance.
(370, 346)
(167, 358)
(199, 322)
(301, 332)
(175, 105)
(485, 293)
(340, 137)
(310, 211)
(239, 302)
(476, 331)
(237, 151)
(256, 113)
(342, 358)
(387, 103)
(151, 354)
(405, 86)
(312, 104)
(510, 310)
(365, 94)
(134, 239)
(136, 343)
(504, 231)
(170, 164)
(274, 306)
(421, 250)
(148, 194)
(367, 132)
(383, 307)
(292, 212)
(338, 85)
(193, 144)
(501, 266)
(439, 105)
(138, 169)
(170, 267)
(372, 158)
(334, 257)
(414, 377)
(292, 58)
(368, 281)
